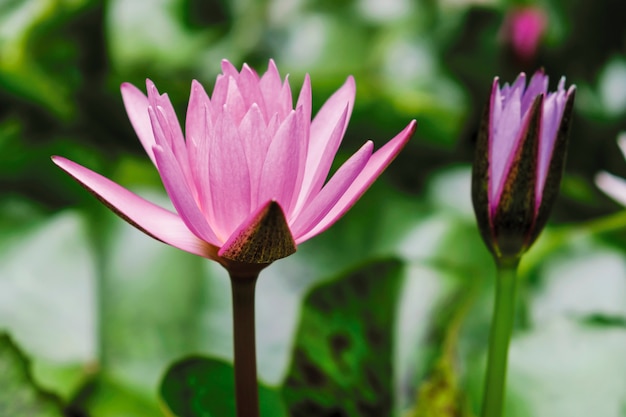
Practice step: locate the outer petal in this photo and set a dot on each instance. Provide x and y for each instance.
(375, 166)
(613, 186)
(181, 196)
(328, 116)
(332, 192)
(320, 158)
(151, 219)
(136, 104)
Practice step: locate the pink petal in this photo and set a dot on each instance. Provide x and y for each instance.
(269, 84)
(323, 202)
(330, 113)
(151, 219)
(181, 196)
(538, 85)
(234, 102)
(218, 98)
(327, 130)
(195, 123)
(248, 83)
(375, 166)
(285, 101)
(552, 113)
(167, 138)
(304, 99)
(228, 69)
(136, 104)
(199, 161)
(229, 179)
(256, 139)
(504, 140)
(315, 174)
(284, 157)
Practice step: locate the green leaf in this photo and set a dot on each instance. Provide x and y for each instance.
(205, 387)
(19, 396)
(106, 396)
(342, 355)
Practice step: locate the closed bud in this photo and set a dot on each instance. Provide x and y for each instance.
(520, 155)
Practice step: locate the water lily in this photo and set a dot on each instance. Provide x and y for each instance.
(517, 171)
(248, 178)
(519, 162)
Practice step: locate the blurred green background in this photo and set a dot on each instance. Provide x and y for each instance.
(101, 310)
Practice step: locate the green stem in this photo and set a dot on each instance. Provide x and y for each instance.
(499, 338)
(246, 389)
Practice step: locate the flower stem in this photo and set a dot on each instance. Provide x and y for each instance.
(246, 389)
(499, 338)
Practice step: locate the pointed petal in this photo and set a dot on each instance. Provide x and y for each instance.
(331, 112)
(261, 239)
(538, 85)
(195, 123)
(234, 102)
(229, 179)
(552, 182)
(151, 219)
(324, 201)
(613, 186)
(375, 166)
(270, 84)
(280, 169)
(504, 140)
(256, 139)
(136, 104)
(304, 99)
(166, 138)
(553, 106)
(218, 98)
(228, 69)
(248, 83)
(319, 160)
(285, 100)
(181, 197)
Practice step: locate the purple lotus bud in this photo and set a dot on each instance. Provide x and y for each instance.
(519, 161)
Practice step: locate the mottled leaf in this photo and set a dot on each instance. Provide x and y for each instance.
(342, 358)
(205, 387)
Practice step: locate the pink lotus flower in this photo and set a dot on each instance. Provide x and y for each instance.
(248, 178)
(519, 162)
